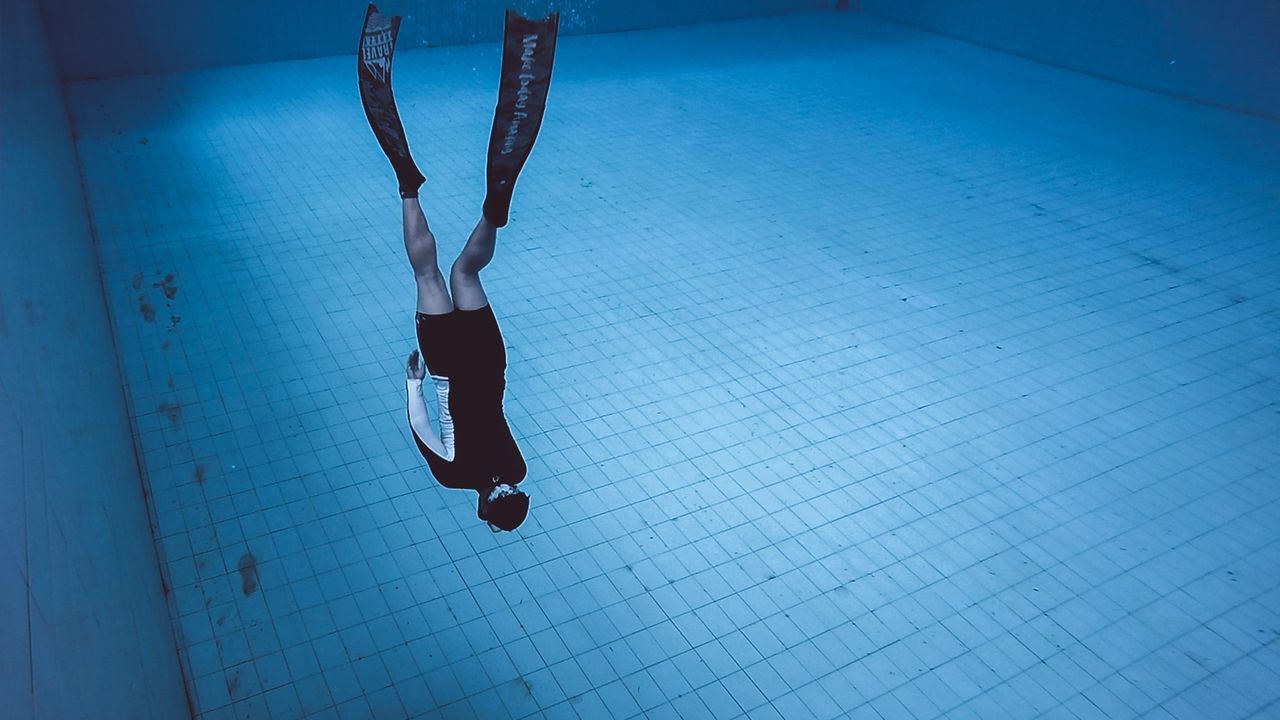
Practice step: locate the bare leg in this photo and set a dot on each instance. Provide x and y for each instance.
(465, 274)
(433, 296)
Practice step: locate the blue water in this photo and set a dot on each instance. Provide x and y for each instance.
(860, 373)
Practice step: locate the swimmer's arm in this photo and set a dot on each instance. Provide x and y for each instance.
(420, 420)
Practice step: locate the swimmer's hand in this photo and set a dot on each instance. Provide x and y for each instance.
(416, 372)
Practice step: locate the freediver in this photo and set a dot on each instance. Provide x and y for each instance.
(461, 345)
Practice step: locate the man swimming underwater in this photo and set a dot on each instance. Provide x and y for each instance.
(462, 346)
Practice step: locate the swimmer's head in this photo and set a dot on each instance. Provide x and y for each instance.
(503, 507)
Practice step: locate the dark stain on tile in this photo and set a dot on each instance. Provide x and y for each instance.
(147, 309)
(248, 567)
(200, 474)
(171, 410)
(167, 286)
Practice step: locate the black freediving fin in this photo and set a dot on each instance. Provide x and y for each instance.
(377, 48)
(528, 53)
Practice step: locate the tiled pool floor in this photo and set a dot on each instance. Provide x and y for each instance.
(860, 373)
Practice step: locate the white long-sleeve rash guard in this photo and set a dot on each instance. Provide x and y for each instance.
(420, 421)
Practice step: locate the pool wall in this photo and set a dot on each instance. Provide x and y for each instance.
(135, 37)
(1225, 53)
(84, 630)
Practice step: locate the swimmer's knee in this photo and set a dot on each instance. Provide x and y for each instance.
(430, 278)
(470, 263)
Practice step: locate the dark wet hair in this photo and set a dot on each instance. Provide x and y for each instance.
(507, 512)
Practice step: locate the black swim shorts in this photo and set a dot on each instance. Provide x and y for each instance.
(461, 343)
